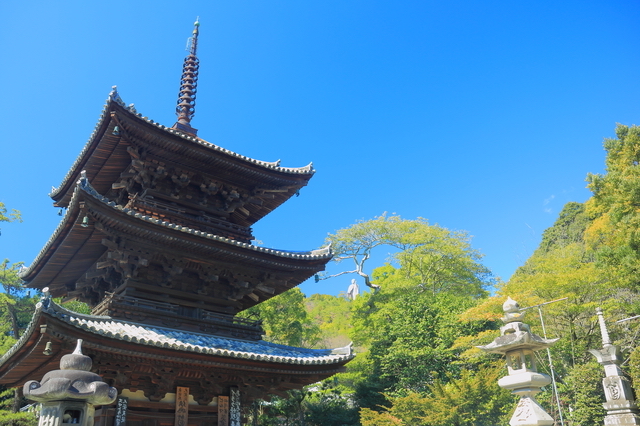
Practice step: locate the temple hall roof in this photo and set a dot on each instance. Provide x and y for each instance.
(174, 343)
(202, 343)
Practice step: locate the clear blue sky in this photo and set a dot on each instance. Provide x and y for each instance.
(479, 116)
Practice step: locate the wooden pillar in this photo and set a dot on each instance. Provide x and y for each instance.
(223, 410)
(182, 406)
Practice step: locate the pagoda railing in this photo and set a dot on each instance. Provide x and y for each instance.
(203, 219)
(172, 308)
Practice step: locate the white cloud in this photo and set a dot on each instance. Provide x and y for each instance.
(548, 200)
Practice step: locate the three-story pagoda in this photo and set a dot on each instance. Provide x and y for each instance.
(156, 237)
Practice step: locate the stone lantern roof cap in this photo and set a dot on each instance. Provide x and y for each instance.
(521, 339)
(73, 382)
(516, 335)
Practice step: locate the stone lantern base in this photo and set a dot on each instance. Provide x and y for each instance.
(529, 413)
(70, 412)
(622, 419)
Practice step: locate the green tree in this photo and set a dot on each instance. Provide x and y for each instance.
(16, 303)
(7, 215)
(409, 323)
(12, 286)
(285, 319)
(410, 335)
(7, 415)
(331, 404)
(471, 399)
(436, 258)
(16, 307)
(323, 404)
(568, 229)
(582, 386)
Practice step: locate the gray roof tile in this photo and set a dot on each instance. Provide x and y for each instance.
(199, 343)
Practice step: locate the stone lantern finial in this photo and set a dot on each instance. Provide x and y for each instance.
(76, 360)
(512, 311)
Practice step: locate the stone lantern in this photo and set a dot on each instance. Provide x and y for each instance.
(621, 405)
(69, 395)
(518, 345)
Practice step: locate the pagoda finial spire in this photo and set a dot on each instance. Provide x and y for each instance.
(186, 107)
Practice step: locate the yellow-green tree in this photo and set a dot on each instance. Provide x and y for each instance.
(332, 316)
(614, 209)
(470, 399)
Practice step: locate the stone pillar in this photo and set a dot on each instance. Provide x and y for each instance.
(621, 406)
(69, 395)
(235, 407)
(519, 345)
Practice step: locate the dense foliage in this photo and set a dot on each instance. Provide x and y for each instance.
(405, 331)
(285, 319)
(416, 330)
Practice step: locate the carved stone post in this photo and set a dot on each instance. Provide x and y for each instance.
(518, 344)
(68, 395)
(621, 405)
(235, 413)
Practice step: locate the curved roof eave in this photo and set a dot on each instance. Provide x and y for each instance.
(63, 228)
(162, 338)
(323, 253)
(84, 187)
(103, 123)
(26, 335)
(206, 344)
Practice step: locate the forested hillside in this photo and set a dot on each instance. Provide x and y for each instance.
(434, 301)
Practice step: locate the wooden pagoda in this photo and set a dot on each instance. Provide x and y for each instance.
(156, 237)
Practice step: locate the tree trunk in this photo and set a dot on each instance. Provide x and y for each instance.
(16, 400)
(14, 321)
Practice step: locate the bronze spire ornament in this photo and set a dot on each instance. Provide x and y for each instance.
(186, 107)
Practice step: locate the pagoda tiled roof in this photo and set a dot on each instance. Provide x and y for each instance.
(323, 253)
(196, 342)
(104, 167)
(71, 237)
